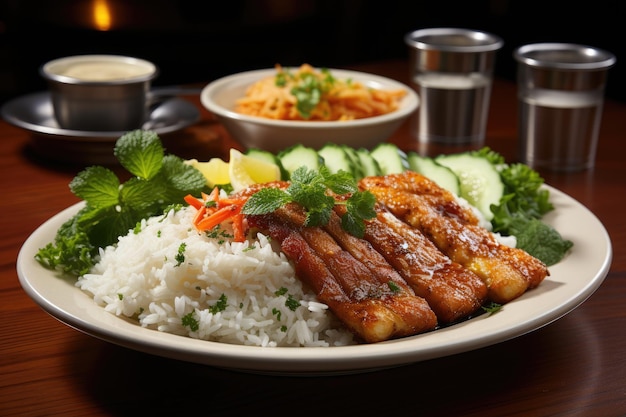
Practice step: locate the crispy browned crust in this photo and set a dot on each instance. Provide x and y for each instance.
(423, 261)
(451, 290)
(371, 299)
(507, 272)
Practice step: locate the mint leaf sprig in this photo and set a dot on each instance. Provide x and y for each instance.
(113, 208)
(309, 188)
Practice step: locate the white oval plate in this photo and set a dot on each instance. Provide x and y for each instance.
(571, 282)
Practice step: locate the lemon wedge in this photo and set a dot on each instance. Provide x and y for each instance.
(215, 170)
(245, 170)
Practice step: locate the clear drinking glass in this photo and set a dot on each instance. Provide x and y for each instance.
(560, 94)
(452, 71)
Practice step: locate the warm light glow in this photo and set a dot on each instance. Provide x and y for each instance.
(101, 15)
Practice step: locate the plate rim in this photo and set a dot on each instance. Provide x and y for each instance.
(332, 360)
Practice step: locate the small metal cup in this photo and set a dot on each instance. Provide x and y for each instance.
(452, 71)
(99, 92)
(560, 94)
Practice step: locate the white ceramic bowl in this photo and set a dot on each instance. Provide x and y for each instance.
(219, 97)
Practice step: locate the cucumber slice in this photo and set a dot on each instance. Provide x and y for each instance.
(390, 158)
(442, 175)
(336, 158)
(369, 165)
(268, 156)
(480, 182)
(299, 155)
(357, 167)
(263, 155)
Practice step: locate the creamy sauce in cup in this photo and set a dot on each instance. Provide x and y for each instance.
(99, 68)
(105, 71)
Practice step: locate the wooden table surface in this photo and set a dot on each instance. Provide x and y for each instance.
(575, 366)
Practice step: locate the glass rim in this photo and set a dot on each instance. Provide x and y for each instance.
(565, 56)
(445, 39)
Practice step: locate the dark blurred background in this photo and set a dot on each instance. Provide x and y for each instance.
(197, 41)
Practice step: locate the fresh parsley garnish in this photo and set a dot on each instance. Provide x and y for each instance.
(520, 209)
(221, 304)
(281, 291)
(491, 307)
(309, 188)
(308, 94)
(291, 303)
(113, 208)
(281, 78)
(308, 90)
(188, 320)
(393, 287)
(180, 255)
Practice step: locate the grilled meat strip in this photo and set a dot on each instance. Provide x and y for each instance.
(413, 198)
(451, 290)
(363, 291)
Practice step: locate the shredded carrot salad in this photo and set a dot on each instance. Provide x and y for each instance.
(214, 210)
(308, 94)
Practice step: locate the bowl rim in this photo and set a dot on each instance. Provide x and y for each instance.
(409, 103)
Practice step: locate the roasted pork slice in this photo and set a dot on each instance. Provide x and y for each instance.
(366, 294)
(508, 272)
(452, 291)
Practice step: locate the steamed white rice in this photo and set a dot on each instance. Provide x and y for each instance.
(170, 277)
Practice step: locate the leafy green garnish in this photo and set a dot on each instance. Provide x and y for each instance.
(188, 320)
(221, 304)
(539, 239)
(491, 307)
(523, 192)
(309, 188)
(308, 90)
(492, 156)
(72, 252)
(393, 287)
(521, 208)
(281, 291)
(291, 303)
(308, 94)
(180, 255)
(112, 208)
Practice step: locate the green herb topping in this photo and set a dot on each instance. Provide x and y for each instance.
(491, 307)
(188, 320)
(393, 287)
(308, 90)
(309, 188)
(221, 304)
(291, 303)
(521, 208)
(180, 255)
(113, 208)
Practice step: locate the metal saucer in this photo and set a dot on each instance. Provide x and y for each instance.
(34, 113)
